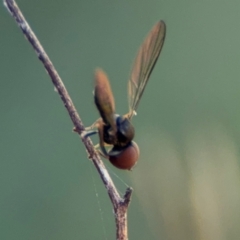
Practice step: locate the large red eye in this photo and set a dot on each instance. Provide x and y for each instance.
(126, 157)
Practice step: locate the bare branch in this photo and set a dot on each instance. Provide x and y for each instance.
(120, 205)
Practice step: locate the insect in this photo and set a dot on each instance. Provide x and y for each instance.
(115, 130)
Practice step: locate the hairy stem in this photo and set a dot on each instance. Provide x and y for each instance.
(120, 205)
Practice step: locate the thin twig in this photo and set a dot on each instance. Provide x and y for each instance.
(120, 205)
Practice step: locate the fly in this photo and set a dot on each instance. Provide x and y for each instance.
(115, 130)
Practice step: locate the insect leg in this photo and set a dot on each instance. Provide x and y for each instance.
(89, 133)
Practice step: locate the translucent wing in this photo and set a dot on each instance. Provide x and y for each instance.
(144, 63)
(104, 99)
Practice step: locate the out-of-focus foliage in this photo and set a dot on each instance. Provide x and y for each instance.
(192, 193)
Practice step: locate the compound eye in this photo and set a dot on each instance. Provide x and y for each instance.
(126, 157)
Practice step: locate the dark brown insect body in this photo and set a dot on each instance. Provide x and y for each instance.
(113, 129)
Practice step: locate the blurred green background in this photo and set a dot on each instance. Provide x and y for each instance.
(187, 181)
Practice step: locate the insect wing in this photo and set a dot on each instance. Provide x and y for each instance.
(104, 99)
(144, 63)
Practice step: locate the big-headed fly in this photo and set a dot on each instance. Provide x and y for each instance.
(115, 130)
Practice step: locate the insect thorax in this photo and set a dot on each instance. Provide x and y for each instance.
(124, 135)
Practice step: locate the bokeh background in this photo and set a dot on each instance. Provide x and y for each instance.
(187, 181)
